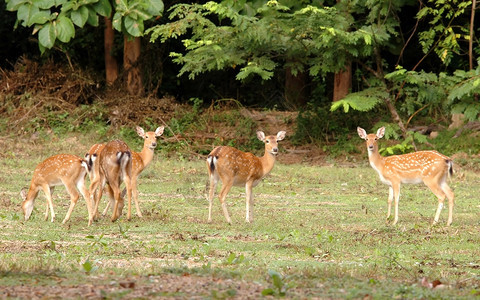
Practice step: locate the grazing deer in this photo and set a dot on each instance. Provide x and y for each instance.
(140, 160)
(66, 169)
(429, 167)
(115, 166)
(236, 168)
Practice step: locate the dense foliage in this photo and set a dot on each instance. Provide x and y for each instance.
(412, 62)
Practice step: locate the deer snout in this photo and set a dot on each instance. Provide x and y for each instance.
(275, 150)
(370, 147)
(153, 145)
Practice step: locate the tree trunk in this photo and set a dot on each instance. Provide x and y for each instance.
(472, 29)
(111, 65)
(131, 54)
(342, 83)
(295, 93)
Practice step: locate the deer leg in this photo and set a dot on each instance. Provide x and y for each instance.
(48, 195)
(73, 200)
(211, 193)
(128, 185)
(438, 192)
(396, 196)
(97, 183)
(111, 200)
(46, 203)
(451, 202)
(116, 196)
(135, 197)
(389, 201)
(86, 195)
(226, 186)
(249, 202)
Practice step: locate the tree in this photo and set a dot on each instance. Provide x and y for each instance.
(54, 21)
(412, 91)
(316, 40)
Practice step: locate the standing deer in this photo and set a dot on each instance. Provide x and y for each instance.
(94, 174)
(115, 166)
(66, 169)
(140, 160)
(429, 167)
(236, 168)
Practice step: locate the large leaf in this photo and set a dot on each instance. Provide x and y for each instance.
(44, 4)
(117, 21)
(155, 7)
(64, 29)
(92, 18)
(80, 16)
(13, 5)
(133, 27)
(26, 12)
(41, 17)
(46, 36)
(103, 8)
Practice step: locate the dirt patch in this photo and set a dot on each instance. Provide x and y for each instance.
(163, 286)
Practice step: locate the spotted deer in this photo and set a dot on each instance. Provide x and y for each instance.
(237, 168)
(140, 160)
(430, 167)
(114, 167)
(63, 169)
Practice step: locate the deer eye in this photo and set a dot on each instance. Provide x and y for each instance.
(267, 141)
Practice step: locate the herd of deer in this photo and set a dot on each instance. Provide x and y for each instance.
(110, 164)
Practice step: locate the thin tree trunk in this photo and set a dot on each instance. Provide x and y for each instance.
(472, 28)
(111, 64)
(131, 54)
(342, 83)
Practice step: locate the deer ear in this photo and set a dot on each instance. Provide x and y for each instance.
(140, 131)
(159, 131)
(261, 135)
(362, 133)
(281, 135)
(380, 132)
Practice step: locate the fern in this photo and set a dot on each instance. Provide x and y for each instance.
(365, 100)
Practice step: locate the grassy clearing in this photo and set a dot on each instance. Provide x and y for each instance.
(319, 231)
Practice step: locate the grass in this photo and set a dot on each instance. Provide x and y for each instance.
(319, 231)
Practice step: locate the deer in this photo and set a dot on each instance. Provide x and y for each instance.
(140, 160)
(237, 168)
(114, 166)
(430, 167)
(62, 169)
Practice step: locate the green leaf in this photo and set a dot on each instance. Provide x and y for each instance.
(14, 5)
(92, 18)
(40, 17)
(117, 21)
(64, 29)
(267, 292)
(44, 4)
(26, 12)
(155, 7)
(46, 36)
(103, 8)
(133, 27)
(80, 16)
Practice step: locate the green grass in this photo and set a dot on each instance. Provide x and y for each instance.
(321, 229)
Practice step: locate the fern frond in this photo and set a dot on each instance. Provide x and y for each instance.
(365, 100)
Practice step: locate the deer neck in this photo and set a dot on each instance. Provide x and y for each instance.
(267, 161)
(376, 160)
(146, 155)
